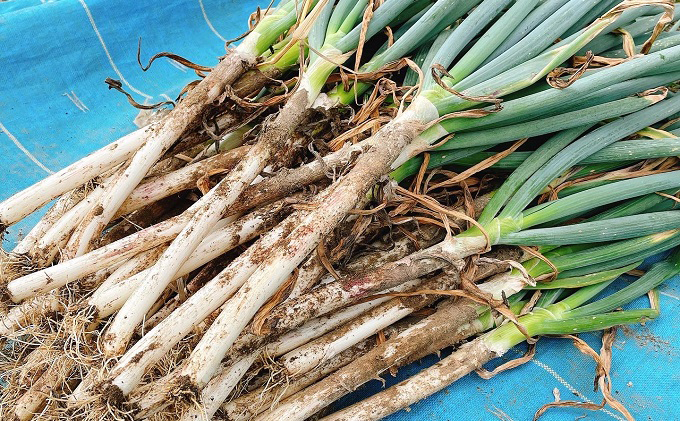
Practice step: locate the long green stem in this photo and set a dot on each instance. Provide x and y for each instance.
(516, 79)
(586, 92)
(559, 318)
(491, 39)
(584, 280)
(650, 280)
(442, 12)
(600, 196)
(586, 146)
(594, 262)
(339, 15)
(639, 30)
(424, 56)
(587, 116)
(597, 231)
(545, 103)
(656, 243)
(592, 14)
(461, 36)
(544, 153)
(622, 152)
(534, 43)
(273, 25)
(535, 18)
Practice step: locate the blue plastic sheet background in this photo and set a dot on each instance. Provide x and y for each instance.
(55, 108)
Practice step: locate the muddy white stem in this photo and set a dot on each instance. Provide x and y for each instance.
(220, 241)
(441, 329)
(334, 295)
(48, 384)
(247, 406)
(131, 367)
(213, 395)
(185, 178)
(306, 357)
(342, 197)
(216, 389)
(75, 175)
(129, 269)
(59, 275)
(159, 138)
(219, 387)
(62, 205)
(23, 314)
(209, 209)
(466, 359)
(316, 352)
(57, 237)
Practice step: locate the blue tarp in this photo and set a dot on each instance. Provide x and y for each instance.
(55, 108)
